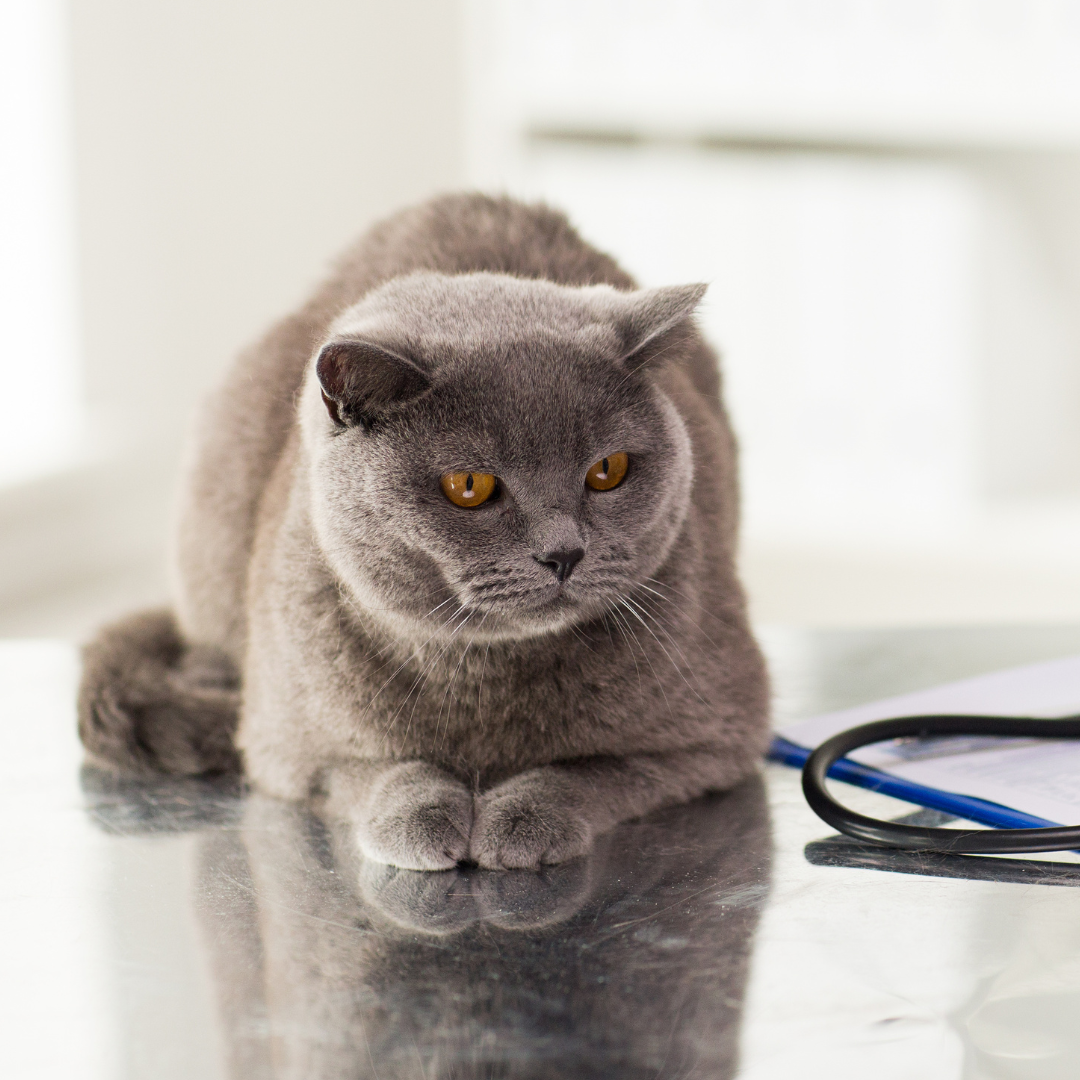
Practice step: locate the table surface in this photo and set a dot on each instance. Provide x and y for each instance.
(183, 930)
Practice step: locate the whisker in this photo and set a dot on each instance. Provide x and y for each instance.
(648, 659)
(413, 656)
(429, 668)
(390, 643)
(576, 631)
(437, 606)
(623, 628)
(641, 585)
(449, 687)
(421, 680)
(642, 613)
(405, 663)
(645, 604)
(674, 645)
(424, 671)
(480, 688)
(682, 611)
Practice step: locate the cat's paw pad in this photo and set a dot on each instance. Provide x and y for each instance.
(523, 824)
(417, 823)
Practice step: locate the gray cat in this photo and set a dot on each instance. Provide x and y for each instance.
(463, 528)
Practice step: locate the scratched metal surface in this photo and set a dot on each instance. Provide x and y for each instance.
(188, 930)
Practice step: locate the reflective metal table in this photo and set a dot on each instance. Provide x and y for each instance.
(185, 930)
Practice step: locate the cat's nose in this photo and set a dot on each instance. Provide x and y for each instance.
(561, 562)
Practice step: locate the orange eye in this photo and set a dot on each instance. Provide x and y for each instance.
(608, 472)
(468, 488)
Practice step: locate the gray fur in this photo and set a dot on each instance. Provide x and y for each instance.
(412, 665)
(150, 702)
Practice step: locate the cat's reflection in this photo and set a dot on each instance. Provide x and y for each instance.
(630, 962)
(451, 901)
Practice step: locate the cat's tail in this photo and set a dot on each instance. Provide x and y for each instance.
(150, 702)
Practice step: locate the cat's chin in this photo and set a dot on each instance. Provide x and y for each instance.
(530, 614)
(538, 617)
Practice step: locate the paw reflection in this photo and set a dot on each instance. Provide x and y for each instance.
(451, 900)
(628, 961)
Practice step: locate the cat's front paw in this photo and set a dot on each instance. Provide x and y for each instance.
(416, 817)
(528, 821)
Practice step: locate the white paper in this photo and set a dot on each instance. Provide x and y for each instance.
(1038, 776)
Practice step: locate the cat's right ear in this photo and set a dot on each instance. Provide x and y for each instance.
(649, 314)
(359, 380)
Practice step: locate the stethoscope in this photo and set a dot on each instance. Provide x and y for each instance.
(917, 838)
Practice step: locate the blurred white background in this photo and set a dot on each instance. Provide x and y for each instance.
(172, 179)
(884, 196)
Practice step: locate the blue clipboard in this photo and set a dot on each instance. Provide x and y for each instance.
(963, 806)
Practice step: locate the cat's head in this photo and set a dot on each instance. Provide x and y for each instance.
(494, 449)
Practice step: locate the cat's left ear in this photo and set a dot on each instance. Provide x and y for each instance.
(360, 380)
(649, 314)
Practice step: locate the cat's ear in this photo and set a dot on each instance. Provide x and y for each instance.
(648, 314)
(359, 380)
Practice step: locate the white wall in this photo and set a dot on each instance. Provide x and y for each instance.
(884, 199)
(40, 414)
(224, 152)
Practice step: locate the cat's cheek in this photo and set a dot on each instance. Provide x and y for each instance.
(527, 822)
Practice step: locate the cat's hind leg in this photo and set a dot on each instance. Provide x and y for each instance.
(405, 813)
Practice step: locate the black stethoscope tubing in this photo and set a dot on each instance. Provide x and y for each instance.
(917, 838)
